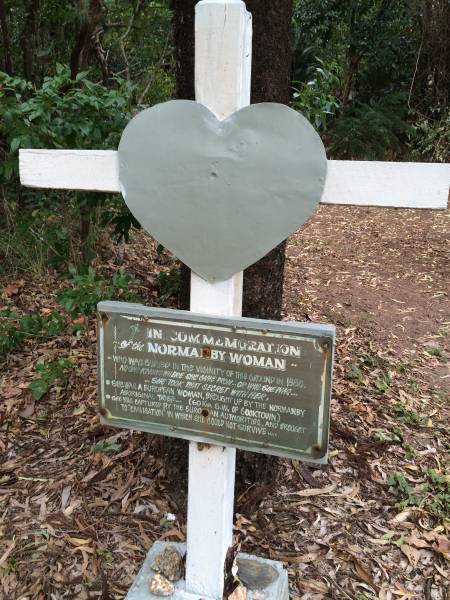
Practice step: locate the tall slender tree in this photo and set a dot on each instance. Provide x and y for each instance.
(6, 41)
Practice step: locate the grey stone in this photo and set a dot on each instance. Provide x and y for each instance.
(255, 574)
(276, 590)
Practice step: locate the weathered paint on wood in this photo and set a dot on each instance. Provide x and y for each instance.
(93, 170)
(395, 184)
(223, 33)
(357, 183)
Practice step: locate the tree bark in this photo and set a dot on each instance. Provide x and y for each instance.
(183, 33)
(29, 38)
(271, 82)
(6, 40)
(436, 35)
(90, 18)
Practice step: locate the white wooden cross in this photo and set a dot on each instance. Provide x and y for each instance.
(223, 35)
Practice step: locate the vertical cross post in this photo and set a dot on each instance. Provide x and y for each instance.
(223, 32)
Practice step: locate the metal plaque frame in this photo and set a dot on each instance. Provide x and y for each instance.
(317, 340)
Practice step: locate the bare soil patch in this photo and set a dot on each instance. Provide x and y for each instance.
(81, 503)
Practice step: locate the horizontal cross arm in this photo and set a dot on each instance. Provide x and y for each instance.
(90, 170)
(358, 183)
(389, 184)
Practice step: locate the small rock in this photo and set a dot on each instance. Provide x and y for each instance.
(240, 593)
(169, 563)
(255, 574)
(160, 586)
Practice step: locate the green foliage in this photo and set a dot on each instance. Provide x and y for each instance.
(355, 374)
(88, 288)
(373, 131)
(375, 37)
(437, 488)
(317, 99)
(60, 114)
(433, 495)
(49, 373)
(40, 237)
(10, 566)
(430, 138)
(169, 284)
(380, 107)
(14, 329)
(409, 417)
(403, 490)
(117, 215)
(383, 383)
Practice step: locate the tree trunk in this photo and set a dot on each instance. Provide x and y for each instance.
(263, 282)
(436, 35)
(29, 38)
(90, 18)
(6, 40)
(351, 70)
(183, 32)
(271, 82)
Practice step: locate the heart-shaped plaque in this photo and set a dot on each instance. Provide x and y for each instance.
(220, 194)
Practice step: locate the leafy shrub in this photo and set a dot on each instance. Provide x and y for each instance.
(14, 329)
(117, 214)
(88, 288)
(49, 373)
(60, 114)
(373, 131)
(430, 138)
(317, 100)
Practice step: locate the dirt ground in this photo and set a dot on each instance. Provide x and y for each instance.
(80, 504)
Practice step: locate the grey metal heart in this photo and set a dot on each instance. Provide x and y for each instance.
(220, 194)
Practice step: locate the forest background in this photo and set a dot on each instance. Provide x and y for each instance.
(371, 75)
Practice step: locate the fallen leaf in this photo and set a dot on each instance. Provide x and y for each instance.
(11, 392)
(174, 532)
(316, 491)
(78, 541)
(7, 552)
(301, 559)
(411, 554)
(413, 540)
(442, 545)
(364, 574)
(27, 411)
(10, 290)
(65, 496)
(402, 516)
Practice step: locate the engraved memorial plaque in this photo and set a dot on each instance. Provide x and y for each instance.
(259, 385)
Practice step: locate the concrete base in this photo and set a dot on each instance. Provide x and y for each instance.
(276, 590)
